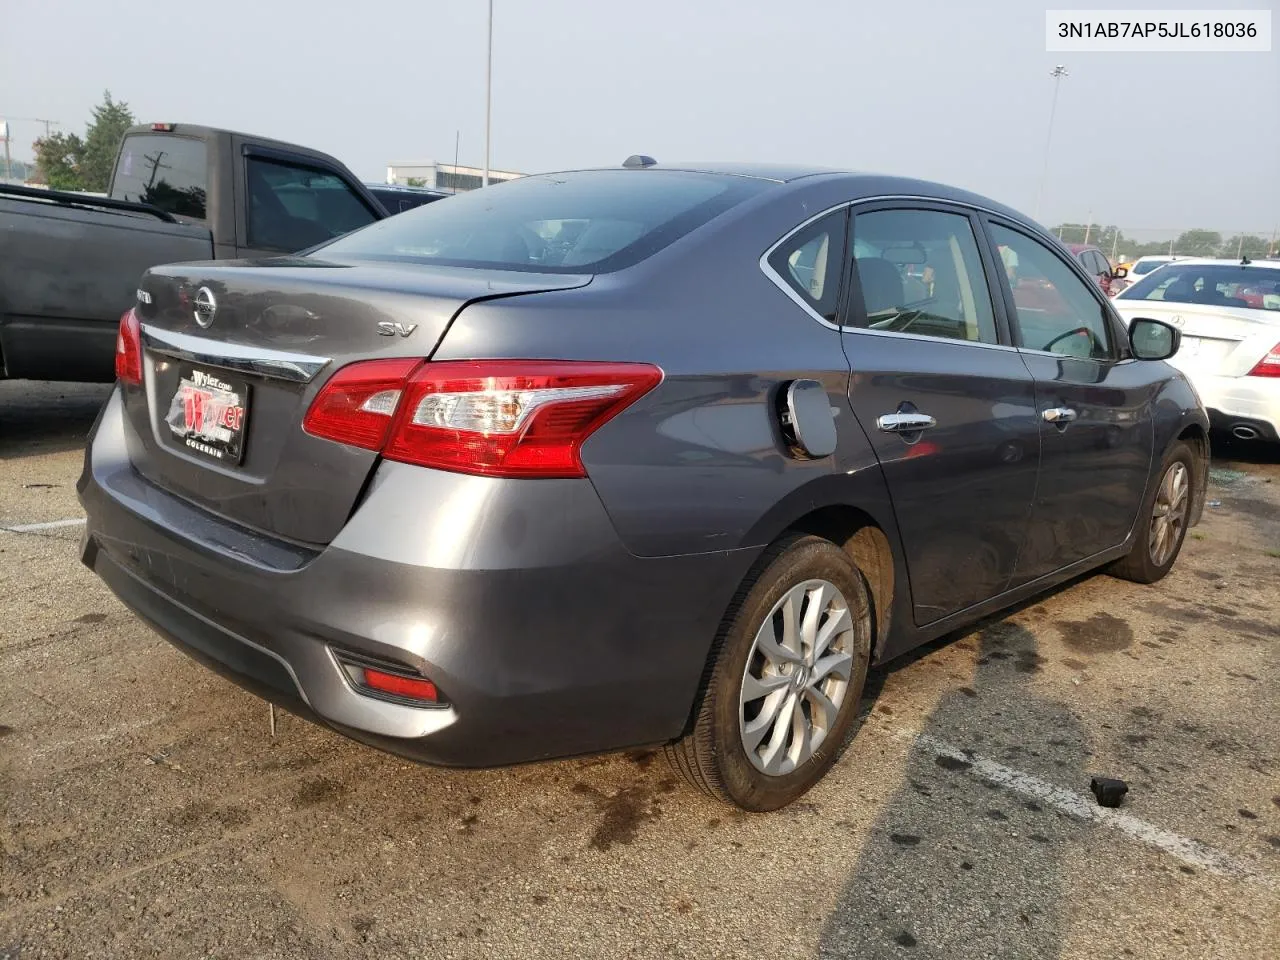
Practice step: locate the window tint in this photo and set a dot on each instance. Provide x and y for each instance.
(165, 171)
(920, 272)
(592, 221)
(1055, 310)
(295, 207)
(810, 262)
(1215, 284)
(1143, 267)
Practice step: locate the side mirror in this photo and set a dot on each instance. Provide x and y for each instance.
(1153, 339)
(1120, 273)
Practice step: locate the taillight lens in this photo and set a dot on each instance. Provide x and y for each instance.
(1268, 366)
(358, 404)
(129, 349)
(412, 688)
(500, 418)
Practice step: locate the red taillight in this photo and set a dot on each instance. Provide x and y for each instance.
(359, 402)
(129, 349)
(499, 418)
(412, 688)
(1268, 366)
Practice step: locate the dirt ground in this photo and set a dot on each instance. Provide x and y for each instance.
(145, 811)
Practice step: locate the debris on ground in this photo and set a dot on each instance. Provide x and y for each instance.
(1108, 791)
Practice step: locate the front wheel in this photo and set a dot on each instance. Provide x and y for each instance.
(787, 675)
(1163, 524)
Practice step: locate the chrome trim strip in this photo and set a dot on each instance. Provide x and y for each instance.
(298, 367)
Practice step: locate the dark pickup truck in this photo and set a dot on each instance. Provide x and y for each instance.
(70, 262)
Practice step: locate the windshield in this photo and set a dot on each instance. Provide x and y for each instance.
(1143, 267)
(1212, 284)
(591, 221)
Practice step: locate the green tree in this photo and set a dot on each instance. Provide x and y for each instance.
(111, 119)
(1198, 243)
(1244, 246)
(58, 159)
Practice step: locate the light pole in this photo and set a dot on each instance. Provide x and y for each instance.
(1057, 73)
(488, 98)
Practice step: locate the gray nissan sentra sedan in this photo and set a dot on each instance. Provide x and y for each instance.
(649, 455)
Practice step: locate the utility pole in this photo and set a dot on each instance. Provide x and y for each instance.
(1115, 243)
(488, 98)
(1088, 227)
(8, 163)
(1057, 73)
(1240, 247)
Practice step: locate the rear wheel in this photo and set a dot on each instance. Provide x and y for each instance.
(786, 678)
(1164, 525)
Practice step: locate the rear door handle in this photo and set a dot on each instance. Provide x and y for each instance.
(1058, 415)
(905, 422)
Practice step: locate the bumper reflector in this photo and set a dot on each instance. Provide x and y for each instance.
(398, 686)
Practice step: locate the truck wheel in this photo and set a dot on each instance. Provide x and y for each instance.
(786, 677)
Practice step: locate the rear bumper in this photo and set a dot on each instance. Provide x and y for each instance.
(1242, 401)
(516, 598)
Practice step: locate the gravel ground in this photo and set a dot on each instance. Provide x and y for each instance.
(145, 810)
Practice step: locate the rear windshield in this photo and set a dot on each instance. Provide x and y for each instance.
(168, 172)
(587, 222)
(1143, 267)
(1214, 284)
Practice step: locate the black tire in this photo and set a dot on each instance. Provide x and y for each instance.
(1139, 565)
(713, 757)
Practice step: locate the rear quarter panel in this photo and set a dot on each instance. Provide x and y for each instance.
(699, 464)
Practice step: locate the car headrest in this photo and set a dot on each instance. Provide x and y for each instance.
(881, 284)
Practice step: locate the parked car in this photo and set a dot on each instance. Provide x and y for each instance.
(70, 262)
(397, 199)
(475, 493)
(1097, 265)
(1229, 315)
(1135, 271)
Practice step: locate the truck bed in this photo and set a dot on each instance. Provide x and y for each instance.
(69, 266)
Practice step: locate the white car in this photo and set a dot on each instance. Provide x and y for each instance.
(1229, 315)
(1141, 267)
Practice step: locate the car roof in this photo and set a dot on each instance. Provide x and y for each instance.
(861, 184)
(1227, 262)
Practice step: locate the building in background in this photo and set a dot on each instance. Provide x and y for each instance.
(444, 176)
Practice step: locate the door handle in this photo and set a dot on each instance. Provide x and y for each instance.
(905, 422)
(1060, 416)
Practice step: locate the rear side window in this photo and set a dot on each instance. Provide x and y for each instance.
(168, 172)
(592, 221)
(920, 272)
(810, 262)
(293, 207)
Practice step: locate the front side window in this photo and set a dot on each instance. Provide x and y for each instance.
(1212, 284)
(809, 262)
(293, 207)
(593, 221)
(1056, 311)
(920, 272)
(168, 172)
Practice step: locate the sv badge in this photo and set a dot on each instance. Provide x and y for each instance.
(388, 328)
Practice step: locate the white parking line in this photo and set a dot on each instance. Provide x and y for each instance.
(1189, 851)
(50, 525)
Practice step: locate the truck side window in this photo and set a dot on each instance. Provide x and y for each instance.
(293, 207)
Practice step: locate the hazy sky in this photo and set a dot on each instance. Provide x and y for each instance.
(943, 89)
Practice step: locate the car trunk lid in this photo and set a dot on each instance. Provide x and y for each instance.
(235, 352)
(1213, 338)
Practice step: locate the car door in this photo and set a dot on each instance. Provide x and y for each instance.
(291, 203)
(948, 406)
(1093, 401)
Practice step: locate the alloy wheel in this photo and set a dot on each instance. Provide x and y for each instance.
(796, 678)
(1169, 515)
